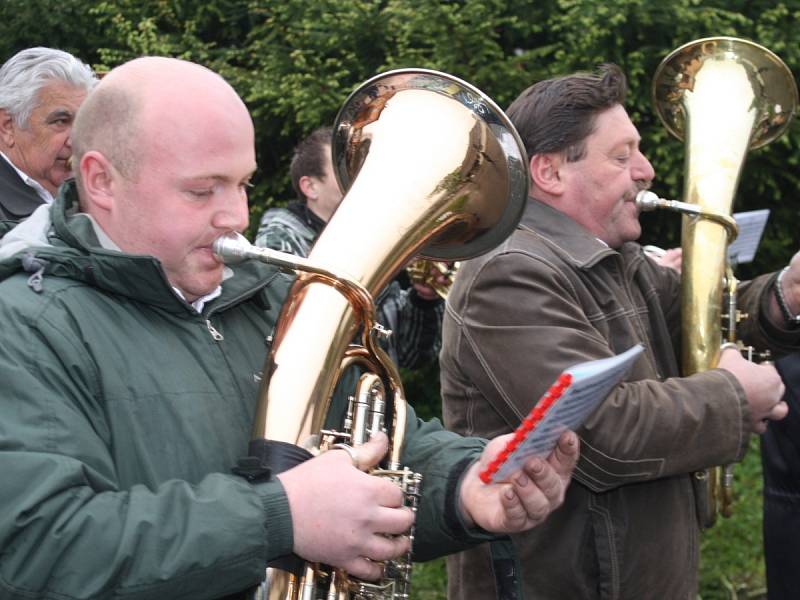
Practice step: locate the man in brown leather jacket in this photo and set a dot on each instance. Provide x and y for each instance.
(571, 285)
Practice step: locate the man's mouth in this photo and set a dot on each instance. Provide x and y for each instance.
(632, 194)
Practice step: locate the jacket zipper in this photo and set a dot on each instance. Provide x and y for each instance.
(248, 293)
(214, 333)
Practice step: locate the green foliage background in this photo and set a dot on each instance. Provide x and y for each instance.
(295, 61)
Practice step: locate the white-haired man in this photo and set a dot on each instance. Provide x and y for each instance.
(40, 92)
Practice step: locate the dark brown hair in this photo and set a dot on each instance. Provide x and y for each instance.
(557, 115)
(309, 158)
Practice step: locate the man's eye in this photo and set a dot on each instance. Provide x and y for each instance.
(202, 193)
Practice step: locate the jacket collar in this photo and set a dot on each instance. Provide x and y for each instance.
(305, 214)
(578, 245)
(17, 199)
(37, 187)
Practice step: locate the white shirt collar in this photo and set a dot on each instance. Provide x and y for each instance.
(30, 181)
(200, 302)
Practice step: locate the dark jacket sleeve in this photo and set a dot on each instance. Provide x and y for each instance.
(441, 457)
(780, 445)
(524, 323)
(757, 329)
(69, 530)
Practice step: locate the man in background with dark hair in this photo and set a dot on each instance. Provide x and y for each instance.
(413, 314)
(568, 286)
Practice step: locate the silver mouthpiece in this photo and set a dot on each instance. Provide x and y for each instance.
(647, 201)
(232, 248)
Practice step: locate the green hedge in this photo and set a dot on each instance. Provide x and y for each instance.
(295, 61)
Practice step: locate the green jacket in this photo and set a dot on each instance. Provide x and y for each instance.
(121, 416)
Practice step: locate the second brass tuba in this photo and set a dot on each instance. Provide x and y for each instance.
(723, 96)
(433, 168)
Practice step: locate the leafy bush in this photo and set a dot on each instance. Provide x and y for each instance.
(295, 62)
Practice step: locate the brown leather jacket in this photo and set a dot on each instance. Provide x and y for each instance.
(552, 296)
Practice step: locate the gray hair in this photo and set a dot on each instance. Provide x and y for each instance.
(28, 71)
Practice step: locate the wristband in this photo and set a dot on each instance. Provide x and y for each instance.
(791, 319)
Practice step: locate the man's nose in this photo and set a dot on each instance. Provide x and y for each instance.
(642, 169)
(234, 215)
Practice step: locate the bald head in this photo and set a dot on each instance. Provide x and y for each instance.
(166, 151)
(135, 106)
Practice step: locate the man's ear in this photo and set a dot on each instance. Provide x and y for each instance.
(546, 173)
(98, 178)
(308, 187)
(7, 128)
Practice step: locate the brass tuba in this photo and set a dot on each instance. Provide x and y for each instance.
(722, 96)
(434, 168)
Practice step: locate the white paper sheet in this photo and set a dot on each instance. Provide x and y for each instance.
(751, 228)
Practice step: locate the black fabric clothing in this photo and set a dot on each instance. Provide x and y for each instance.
(309, 217)
(780, 458)
(17, 199)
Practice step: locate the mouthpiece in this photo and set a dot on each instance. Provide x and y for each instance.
(647, 201)
(232, 248)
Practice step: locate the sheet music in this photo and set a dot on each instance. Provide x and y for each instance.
(751, 228)
(591, 382)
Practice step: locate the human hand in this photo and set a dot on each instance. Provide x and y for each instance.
(762, 385)
(428, 276)
(672, 258)
(425, 292)
(343, 517)
(533, 493)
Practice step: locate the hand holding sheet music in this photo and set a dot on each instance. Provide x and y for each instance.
(567, 404)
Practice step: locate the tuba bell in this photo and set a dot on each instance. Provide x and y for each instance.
(433, 168)
(723, 96)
